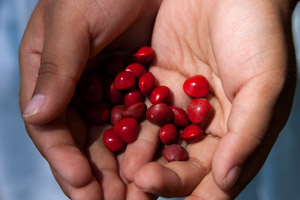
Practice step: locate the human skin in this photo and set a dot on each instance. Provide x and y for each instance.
(243, 48)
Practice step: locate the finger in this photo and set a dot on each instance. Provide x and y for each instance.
(209, 190)
(251, 125)
(178, 178)
(141, 151)
(65, 53)
(56, 144)
(29, 54)
(134, 193)
(104, 165)
(90, 191)
(77, 128)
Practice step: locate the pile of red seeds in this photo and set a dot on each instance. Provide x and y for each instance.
(117, 96)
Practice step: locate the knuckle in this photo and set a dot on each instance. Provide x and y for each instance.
(49, 68)
(52, 70)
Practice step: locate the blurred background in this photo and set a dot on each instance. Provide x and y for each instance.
(25, 175)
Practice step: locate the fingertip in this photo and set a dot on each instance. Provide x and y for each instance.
(231, 177)
(148, 177)
(75, 171)
(157, 179)
(34, 107)
(229, 159)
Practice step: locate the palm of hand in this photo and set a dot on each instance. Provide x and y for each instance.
(236, 50)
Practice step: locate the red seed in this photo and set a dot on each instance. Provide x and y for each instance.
(180, 117)
(136, 68)
(198, 110)
(159, 114)
(192, 133)
(160, 94)
(147, 83)
(168, 134)
(144, 55)
(112, 141)
(133, 96)
(127, 129)
(97, 113)
(112, 94)
(114, 65)
(175, 152)
(196, 86)
(124, 81)
(91, 89)
(117, 113)
(136, 111)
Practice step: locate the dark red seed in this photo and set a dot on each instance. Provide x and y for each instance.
(136, 111)
(147, 83)
(124, 81)
(192, 133)
(112, 140)
(196, 86)
(117, 113)
(133, 96)
(168, 134)
(198, 110)
(180, 117)
(175, 152)
(159, 114)
(144, 55)
(97, 113)
(112, 94)
(114, 65)
(136, 68)
(160, 94)
(127, 129)
(91, 89)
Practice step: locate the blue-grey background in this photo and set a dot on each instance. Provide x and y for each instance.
(25, 175)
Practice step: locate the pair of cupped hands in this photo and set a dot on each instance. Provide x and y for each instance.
(243, 48)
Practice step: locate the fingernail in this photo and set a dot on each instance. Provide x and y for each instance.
(231, 177)
(35, 105)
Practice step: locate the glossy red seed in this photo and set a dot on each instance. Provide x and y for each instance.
(97, 113)
(160, 94)
(112, 94)
(159, 114)
(136, 68)
(196, 86)
(147, 83)
(198, 110)
(133, 96)
(127, 129)
(117, 113)
(175, 152)
(144, 55)
(124, 81)
(91, 89)
(136, 111)
(180, 117)
(114, 65)
(192, 133)
(168, 134)
(112, 140)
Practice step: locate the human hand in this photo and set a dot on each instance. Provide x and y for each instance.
(244, 48)
(60, 38)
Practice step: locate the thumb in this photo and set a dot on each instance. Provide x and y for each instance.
(66, 50)
(254, 123)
